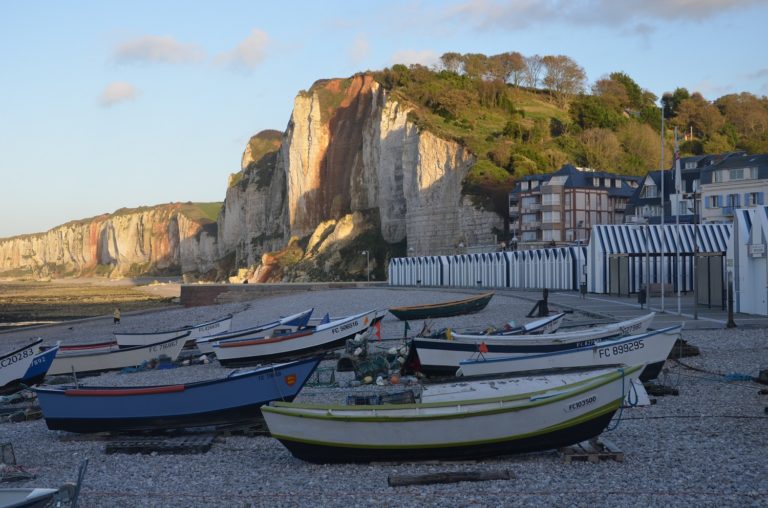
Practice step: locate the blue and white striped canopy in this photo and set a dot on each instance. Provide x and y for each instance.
(639, 239)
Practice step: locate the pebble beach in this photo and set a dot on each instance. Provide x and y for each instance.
(707, 446)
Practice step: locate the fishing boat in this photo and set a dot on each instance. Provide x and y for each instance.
(38, 369)
(441, 356)
(102, 359)
(311, 339)
(26, 497)
(235, 398)
(548, 324)
(651, 348)
(474, 427)
(195, 332)
(283, 325)
(444, 309)
(15, 363)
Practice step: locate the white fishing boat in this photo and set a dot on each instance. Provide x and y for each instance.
(91, 361)
(473, 427)
(304, 341)
(284, 325)
(15, 363)
(651, 348)
(207, 329)
(442, 356)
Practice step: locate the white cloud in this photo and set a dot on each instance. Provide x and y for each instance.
(249, 53)
(359, 50)
(515, 14)
(158, 49)
(117, 92)
(425, 57)
(760, 73)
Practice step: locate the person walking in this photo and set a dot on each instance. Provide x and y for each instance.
(116, 316)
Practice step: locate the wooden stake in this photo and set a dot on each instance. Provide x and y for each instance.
(459, 476)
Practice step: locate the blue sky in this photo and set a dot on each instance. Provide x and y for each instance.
(106, 105)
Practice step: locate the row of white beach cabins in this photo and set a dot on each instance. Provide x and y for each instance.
(617, 260)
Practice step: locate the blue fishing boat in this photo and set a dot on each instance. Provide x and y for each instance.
(41, 362)
(232, 399)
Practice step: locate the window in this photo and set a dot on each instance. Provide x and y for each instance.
(649, 191)
(568, 200)
(712, 202)
(529, 202)
(733, 201)
(530, 218)
(550, 199)
(690, 165)
(528, 236)
(596, 182)
(617, 183)
(551, 235)
(551, 217)
(753, 199)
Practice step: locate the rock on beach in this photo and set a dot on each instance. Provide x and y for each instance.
(705, 447)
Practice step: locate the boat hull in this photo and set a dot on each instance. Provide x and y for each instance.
(233, 399)
(440, 310)
(39, 366)
(85, 361)
(322, 454)
(292, 322)
(442, 357)
(471, 428)
(14, 365)
(303, 343)
(651, 348)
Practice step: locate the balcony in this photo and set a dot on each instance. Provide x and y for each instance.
(531, 207)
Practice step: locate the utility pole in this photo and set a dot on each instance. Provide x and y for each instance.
(661, 199)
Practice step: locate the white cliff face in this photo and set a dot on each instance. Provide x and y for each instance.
(253, 219)
(131, 242)
(306, 142)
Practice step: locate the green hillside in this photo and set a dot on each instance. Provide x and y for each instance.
(525, 115)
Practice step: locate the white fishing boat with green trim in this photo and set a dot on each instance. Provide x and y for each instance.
(474, 427)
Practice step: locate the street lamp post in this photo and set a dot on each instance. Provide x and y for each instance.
(367, 265)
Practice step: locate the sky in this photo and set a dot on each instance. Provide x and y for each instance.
(105, 105)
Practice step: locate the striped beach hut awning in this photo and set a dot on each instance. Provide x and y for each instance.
(655, 239)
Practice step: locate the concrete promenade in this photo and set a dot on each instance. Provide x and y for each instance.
(620, 308)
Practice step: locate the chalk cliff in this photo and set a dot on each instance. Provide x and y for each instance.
(350, 149)
(162, 239)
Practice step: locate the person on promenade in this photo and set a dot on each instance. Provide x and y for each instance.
(116, 316)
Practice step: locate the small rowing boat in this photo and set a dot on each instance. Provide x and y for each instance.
(443, 309)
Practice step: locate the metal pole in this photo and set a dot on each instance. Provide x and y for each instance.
(663, 235)
(695, 259)
(647, 266)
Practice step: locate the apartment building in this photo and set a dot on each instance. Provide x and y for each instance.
(735, 182)
(563, 206)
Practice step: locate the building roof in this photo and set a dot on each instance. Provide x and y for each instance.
(581, 178)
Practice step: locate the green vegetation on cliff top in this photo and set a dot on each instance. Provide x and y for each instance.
(264, 143)
(525, 115)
